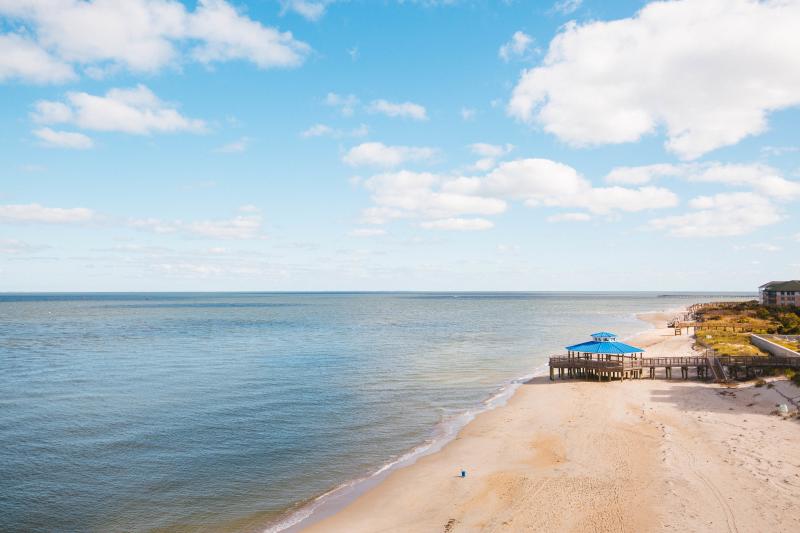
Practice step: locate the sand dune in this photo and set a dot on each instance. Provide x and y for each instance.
(631, 456)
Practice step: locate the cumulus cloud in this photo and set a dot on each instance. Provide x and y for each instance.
(135, 110)
(491, 150)
(317, 130)
(380, 155)
(37, 213)
(407, 194)
(323, 130)
(642, 174)
(311, 10)
(248, 225)
(139, 35)
(721, 215)
(549, 183)
(23, 59)
(764, 179)
(346, 104)
(401, 109)
(708, 71)
(489, 154)
(235, 147)
(63, 139)
(519, 46)
(567, 7)
(535, 182)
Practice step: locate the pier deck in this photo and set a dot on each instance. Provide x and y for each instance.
(719, 369)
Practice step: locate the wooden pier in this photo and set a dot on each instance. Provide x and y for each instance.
(719, 369)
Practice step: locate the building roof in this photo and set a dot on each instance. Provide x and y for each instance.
(604, 335)
(604, 347)
(793, 285)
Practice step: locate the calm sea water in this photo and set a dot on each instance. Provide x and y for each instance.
(204, 412)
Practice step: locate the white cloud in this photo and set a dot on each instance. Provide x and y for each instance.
(569, 217)
(311, 10)
(380, 155)
(140, 35)
(323, 130)
(246, 226)
(48, 112)
(763, 179)
(238, 146)
(136, 110)
(549, 183)
(402, 109)
(535, 182)
(367, 232)
(519, 45)
(779, 150)
(33, 213)
(489, 154)
(566, 7)
(642, 174)
(459, 224)
(23, 59)
(406, 194)
(226, 35)
(468, 113)
(317, 130)
(721, 215)
(709, 71)
(63, 139)
(345, 103)
(491, 150)
(484, 164)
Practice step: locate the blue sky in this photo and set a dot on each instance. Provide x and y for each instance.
(387, 145)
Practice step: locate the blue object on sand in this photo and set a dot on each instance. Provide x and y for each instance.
(463, 473)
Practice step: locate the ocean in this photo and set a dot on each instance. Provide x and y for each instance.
(237, 411)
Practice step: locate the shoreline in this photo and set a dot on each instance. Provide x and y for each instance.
(534, 448)
(336, 499)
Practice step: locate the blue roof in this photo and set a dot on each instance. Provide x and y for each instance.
(604, 347)
(603, 334)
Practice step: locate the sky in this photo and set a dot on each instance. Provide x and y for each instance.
(318, 145)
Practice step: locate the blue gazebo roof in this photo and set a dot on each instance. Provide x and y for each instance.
(604, 346)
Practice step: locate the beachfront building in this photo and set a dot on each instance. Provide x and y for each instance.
(602, 357)
(780, 293)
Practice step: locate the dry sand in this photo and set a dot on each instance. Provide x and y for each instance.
(641, 455)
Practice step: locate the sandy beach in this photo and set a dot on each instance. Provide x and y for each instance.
(640, 455)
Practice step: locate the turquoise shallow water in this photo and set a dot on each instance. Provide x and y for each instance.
(198, 412)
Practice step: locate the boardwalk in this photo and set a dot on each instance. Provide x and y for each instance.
(705, 367)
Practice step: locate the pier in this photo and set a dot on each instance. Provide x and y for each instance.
(719, 369)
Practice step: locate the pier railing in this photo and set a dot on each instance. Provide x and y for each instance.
(562, 361)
